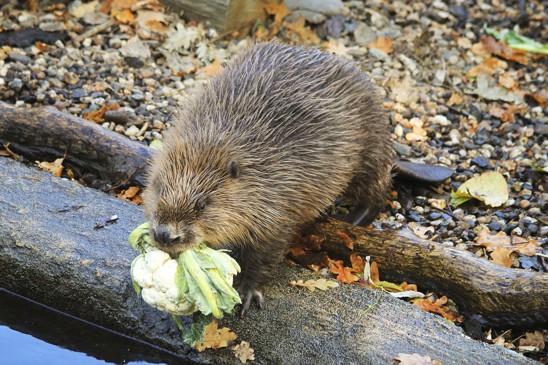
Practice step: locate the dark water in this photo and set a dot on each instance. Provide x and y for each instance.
(32, 334)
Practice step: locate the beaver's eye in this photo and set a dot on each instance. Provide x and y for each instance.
(201, 204)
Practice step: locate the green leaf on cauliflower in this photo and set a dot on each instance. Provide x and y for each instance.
(136, 286)
(140, 239)
(202, 279)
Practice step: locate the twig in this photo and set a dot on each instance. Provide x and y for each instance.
(95, 30)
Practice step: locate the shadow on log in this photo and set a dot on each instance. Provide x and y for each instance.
(50, 252)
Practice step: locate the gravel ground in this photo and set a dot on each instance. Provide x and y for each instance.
(128, 69)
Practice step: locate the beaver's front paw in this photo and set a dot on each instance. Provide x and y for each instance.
(248, 294)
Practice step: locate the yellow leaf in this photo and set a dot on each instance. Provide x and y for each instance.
(501, 256)
(306, 35)
(279, 10)
(312, 285)
(215, 338)
(124, 16)
(55, 167)
(212, 69)
(382, 44)
(490, 188)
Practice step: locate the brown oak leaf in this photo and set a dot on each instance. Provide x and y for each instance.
(344, 274)
(215, 338)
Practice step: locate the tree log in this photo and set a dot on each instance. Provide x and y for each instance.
(40, 133)
(500, 295)
(50, 252)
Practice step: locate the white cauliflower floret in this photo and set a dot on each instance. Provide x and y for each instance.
(155, 273)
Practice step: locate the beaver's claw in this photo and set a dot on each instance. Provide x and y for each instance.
(248, 295)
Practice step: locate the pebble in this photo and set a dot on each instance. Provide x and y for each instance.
(327, 7)
(17, 57)
(524, 204)
(16, 85)
(131, 131)
(71, 78)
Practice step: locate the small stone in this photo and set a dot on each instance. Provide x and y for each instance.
(480, 162)
(16, 85)
(79, 93)
(132, 131)
(533, 228)
(138, 97)
(327, 7)
(524, 204)
(71, 78)
(441, 120)
(434, 216)
(402, 149)
(364, 34)
(18, 57)
(52, 27)
(312, 17)
(517, 231)
(494, 226)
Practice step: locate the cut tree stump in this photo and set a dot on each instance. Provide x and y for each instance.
(51, 253)
(224, 15)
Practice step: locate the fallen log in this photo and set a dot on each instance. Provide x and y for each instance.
(51, 253)
(499, 295)
(45, 132)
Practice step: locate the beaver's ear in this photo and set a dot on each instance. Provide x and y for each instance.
(233, 169)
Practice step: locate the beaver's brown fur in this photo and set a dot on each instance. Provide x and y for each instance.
(266, 146)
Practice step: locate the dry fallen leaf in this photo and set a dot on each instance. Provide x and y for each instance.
(382, 44)
(344, 274)
(212, 69)
(358, 264)
(243, 352)
(502, 50)
(489, 187)
(346, 239)
(525, 246)
(312, 285)
(336, 47)
(535, 339)
(83, 9)
(455, 99)
(416, 359)
(501, 256)
(490, 66)
(439, 307)
(215, 338)
(97, 116)
(486, 89)
(508, 81)
(124, 16)
(55, 167)
(279, 10)
(540, 97)
(306, 34)
(131, 195)
(421, 231)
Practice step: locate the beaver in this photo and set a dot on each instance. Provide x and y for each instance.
(264, 147)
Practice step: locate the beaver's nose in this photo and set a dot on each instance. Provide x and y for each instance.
(163, 236)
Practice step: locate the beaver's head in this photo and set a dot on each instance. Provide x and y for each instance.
(197, 193)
